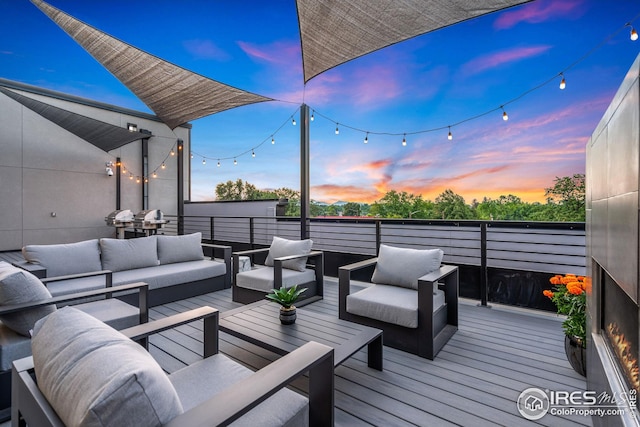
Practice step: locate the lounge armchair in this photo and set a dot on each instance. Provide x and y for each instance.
(413, 299)
(105, 379)
(285, 265)
(24, 300)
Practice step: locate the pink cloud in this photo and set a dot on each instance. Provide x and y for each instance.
(496, 59)
(540, 11)
(205, 49)
(279, 52)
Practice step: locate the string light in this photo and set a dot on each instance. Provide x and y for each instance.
(273, 140)
(138, 179)
(218, 163)
(204, 161)
(563, 82)
(146, 180)
(130, 176)
(172, 153)
(366, 138)
(293, 121)
(337, 130)
(192, 155)
(312, 118)
(235, 162)
(124, 170)
(505, 116)
(404, 140)
(450, 136)
(155, 175)
(633, 35)
(253, 153)
(163, 166)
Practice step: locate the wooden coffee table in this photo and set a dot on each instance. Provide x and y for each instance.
(259, 324)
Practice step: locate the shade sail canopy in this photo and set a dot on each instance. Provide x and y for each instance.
(175, 95)
(103, 135)
(333, 32)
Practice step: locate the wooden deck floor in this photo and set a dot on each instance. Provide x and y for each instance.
(475, 380)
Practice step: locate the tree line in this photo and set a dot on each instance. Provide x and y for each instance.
(565, 201)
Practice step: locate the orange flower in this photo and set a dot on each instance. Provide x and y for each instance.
(547, 293)
(568, 278)
(574, 288)
(556, 280)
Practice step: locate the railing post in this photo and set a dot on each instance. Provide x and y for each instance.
(251, 242)
(211, 223)
(484, 275)
(378, 236)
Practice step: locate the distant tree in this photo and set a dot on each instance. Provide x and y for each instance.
(396, 204)
(238, 190)
(332, 210)
(316, 209)
(450, 205)
(351, 209)
(568, 193)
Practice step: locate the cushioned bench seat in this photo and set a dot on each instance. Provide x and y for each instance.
(262, 279)
(157, 277)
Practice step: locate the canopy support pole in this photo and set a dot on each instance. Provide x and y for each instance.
(304, 171)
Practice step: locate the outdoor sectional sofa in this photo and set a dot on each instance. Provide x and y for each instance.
(174, 266)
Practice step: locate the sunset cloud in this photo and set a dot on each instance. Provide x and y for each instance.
(540, 11)
(278, 52)
(497, 59)
(206, 49)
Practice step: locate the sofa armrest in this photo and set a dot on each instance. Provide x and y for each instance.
(143, 289)
(108, 277)
(317, 256)
(448, 275)
(237, 400)
(208, 314)
(236, 258)
(36, 269)
(226, 256)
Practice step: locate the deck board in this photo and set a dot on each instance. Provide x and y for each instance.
(475, 379)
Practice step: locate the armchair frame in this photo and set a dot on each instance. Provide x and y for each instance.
(315, 290)
(434, 328)
(317, 359)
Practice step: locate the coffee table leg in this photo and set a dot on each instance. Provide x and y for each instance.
(374, 353)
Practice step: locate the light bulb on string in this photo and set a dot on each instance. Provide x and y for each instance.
(218, 163)
(146, 180)
(130, 176)
(337, 130)
(137, 180)
(505, 116)
(235, 162)
(204, 161)
(273, 140)
(293, 121)
(450, 136)
(124, 170)
(192, 155)
(563, 82)
(163, 165)
(312, 118)
(366, 138)
(404, 140)
(154, 175)
(253, 153)
(173, 153)
(633, 35)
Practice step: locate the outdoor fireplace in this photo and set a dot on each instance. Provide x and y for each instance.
(620, 328)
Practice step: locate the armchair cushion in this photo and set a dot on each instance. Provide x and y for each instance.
(390, 304)
(13, 346)
(403, 267)
(92, 375)
(119, 254)
(65, 259)
(261, 278)
(282, 247)
(16, 287)
(172, 249)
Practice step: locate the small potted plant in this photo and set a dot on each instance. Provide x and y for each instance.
(286, 297)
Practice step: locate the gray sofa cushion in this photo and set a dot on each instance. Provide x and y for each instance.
(261, 278)
(119, 254)
(390, 304)
(282, 247)
(94, 376)
(211, 376)
(403, 267)
(64, 259)
(16, 287)
(13, 346)
(172, 249)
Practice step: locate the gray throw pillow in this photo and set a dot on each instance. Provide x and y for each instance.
(18, 287)
(92, 375)
(64, 259)
(403, 267)
(127, 254)
(282, 247)
(173, 249)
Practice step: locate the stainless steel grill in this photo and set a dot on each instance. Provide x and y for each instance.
(149, 220)
(120, 219)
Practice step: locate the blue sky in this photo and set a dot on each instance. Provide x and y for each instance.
(433, 81)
